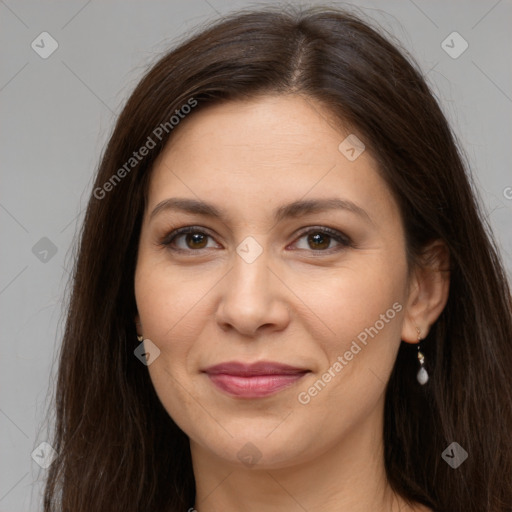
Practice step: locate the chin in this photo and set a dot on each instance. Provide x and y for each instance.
(252, 448)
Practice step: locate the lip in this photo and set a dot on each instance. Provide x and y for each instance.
(255, 380)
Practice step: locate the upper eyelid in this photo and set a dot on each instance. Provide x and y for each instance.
(168, 239)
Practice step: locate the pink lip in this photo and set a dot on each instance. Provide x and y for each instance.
(255, 380)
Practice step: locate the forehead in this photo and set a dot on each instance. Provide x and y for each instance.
(281, 127)
(259, 153)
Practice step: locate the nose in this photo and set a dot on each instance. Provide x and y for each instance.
(253, 299)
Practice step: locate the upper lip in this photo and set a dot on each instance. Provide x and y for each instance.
(253, 369)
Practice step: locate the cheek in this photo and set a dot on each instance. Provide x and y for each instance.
(168, 307)
(174, 311)
(355, 297)
(363, 307)
(168, 299)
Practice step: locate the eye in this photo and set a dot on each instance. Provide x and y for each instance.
(319, 239)
(193, 239)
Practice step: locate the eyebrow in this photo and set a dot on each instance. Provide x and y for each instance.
(292, 210)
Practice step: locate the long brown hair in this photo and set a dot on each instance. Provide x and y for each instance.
(118, 449)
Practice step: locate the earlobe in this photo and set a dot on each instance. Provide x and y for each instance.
(428, 291)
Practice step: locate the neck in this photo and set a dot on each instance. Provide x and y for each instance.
(347, 476)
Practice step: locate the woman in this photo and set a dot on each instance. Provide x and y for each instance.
(285, 296)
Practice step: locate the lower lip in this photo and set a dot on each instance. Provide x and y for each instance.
(257, 386)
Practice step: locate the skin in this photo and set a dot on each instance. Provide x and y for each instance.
(293, 304)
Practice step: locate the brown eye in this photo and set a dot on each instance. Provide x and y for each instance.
(196, 240)
(320, 240)
(186, 239)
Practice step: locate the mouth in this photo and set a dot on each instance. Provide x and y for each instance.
(256, 380)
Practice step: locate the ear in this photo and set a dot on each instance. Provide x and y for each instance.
(428, 291)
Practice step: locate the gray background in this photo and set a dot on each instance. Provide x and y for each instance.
(58, 112)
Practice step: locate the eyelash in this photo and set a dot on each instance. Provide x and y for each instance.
(334, 234)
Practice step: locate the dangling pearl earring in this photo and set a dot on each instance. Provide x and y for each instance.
(422, 375)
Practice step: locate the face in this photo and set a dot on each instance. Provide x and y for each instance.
(277, 326)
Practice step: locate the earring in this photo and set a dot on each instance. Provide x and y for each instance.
(137, 325)
(422, 374)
